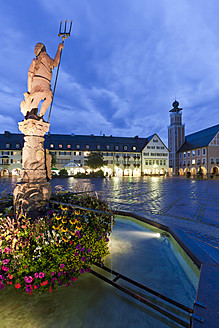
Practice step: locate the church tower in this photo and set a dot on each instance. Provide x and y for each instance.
(176, 135)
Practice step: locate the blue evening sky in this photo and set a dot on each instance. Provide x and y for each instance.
(122, 67)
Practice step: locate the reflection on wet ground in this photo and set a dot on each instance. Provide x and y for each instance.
(192, 205)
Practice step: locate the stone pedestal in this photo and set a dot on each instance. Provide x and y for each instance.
(33, 191)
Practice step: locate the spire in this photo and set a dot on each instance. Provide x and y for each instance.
(175, 107)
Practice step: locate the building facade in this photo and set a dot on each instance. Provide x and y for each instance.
(124, 156)
(197, 152)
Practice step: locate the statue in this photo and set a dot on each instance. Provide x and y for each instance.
(39, 78)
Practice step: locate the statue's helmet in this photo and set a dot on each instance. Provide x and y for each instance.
(38, 48)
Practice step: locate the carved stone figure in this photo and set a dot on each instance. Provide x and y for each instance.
(39, 78)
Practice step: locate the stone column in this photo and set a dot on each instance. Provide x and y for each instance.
(33, 191)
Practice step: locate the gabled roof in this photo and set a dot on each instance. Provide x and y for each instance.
(199, 139)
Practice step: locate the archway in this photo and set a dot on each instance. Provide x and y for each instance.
(119, 172)
(16, 172)
(204, 171)
(215, 170)
(4, 173)
(186, 170)
(128, 172)
(193, 171)
(136, 173)
(163, 171)
(181, 172)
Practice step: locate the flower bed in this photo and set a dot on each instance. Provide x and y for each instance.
(55, 249)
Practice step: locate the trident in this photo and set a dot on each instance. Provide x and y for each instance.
(64, 36)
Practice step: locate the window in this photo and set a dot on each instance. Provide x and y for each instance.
(107, 147)
(146, 162)
(188, 162)
(17, 146)
(162, 147)
(203, 160)
(155, 140)
(161, 162)
(146, 154)
(8, 146)
(150, 162)
(184, 154)
(193, 153)
(164, 162)
(217, 160)
(180, 163)
(203, 151)
(193, 161)
(77, 146)
(152, 147)
(116, 147)
(134, 148)
(60, 145)
(198, 161)
(184, 163)
(148, 147)
(188, 154)
(198, 152)
(125, 147)
(51, 145)
(157, 162)
(158, 147)
(180, 155)
(68, 146)
(212, 160)
(87, 146)
(98, 146)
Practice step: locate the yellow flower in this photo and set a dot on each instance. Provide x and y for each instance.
(77, 212)
(66, 240)
(63, 208)
(54, 227)
(64, 220)
(64, 229)
(78, 226)
(58, 218)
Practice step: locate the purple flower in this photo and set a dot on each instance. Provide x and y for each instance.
(78, 246)
(89, 250)
(1, 277)
(83, 249)
(76, 254)
(6, 261)
(73, 270)
(68, 284)
(83, 258)
(62, 266)
(59, 274)
(41, 275)
(107, 239)
(1, 285)
(28, 280)
(52, 273)
(50, 212)
(36, 275)
(28, 288)
(88, 270)
(53, 280)
(81, 270)
(5, 268)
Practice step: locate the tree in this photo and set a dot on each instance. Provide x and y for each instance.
(54, 160)
(95, 160)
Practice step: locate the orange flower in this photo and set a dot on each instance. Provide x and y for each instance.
(10, 276)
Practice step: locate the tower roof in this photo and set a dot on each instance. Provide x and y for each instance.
(175, 108)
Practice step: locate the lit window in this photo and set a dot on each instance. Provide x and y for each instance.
(193, 161)
(68, 146)
(77, 146)
(87, 146)
(133, 148)
(51, 145)
(60, 145)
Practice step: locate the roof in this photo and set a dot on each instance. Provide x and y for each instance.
(199, 139)
(82, 140)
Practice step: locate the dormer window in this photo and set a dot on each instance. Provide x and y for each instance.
(107, 147)
(60, 145)
(68, 146)
(8, 146)
(77, 146)
(125, 147)
(87, 147)
(98, 147)
(51, 145)
(116, 147)
(17, 146)
(133, 148)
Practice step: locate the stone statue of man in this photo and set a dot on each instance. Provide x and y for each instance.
(39, 78)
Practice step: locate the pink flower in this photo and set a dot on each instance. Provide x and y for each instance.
(28, 288)
(41, 275)
(7, 250)
(36, 275)
(5, 268)
(28, 280)
(52, 273)
(62, 266)
(6, 261)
